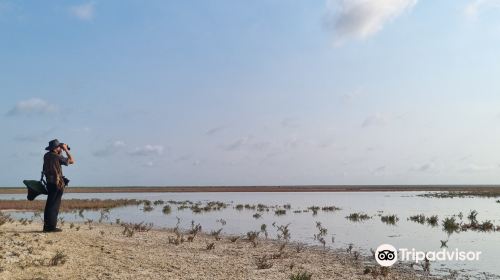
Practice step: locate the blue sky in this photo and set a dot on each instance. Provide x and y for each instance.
(252, 92)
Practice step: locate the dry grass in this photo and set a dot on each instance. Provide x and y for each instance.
(68, 205)
(58, 258)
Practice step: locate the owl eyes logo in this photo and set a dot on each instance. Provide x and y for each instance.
(386, 255)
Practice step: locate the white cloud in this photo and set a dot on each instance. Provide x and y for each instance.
(473, 8)
(215, 130)
(360, 19)
(148, 150)
(84, 11)
(33, 106)
(475, 168)
(237, 144)
(290, 122)
(111, 149)
(426, 167)
(36, 137)
(374, 120)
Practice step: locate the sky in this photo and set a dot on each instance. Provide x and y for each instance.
(270, 92)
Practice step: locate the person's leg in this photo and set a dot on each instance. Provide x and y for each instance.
(57, 204)
(48, 218)
(52, 207)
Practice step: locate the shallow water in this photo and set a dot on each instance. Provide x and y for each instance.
(363, 235)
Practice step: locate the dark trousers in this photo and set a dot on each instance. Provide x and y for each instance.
(52, 206)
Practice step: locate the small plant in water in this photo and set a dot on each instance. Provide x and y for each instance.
(167, 209)
(358, 217)
(433, 221)
(279, 212)
(283, 232)
(450, 225)
(418, 219)
(389, 219)
(320, 236)
(263, 229)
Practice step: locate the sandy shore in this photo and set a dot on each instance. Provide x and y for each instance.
(103, 252)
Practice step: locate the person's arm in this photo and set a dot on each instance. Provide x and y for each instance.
(70, 157)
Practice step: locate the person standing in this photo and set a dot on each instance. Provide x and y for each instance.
(56, 182)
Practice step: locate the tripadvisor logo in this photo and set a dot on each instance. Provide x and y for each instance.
(387, 255)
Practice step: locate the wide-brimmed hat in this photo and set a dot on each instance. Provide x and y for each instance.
(53, 144)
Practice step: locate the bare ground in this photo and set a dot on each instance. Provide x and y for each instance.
(103, 252)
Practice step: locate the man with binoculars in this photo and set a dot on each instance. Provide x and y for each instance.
(56, 182)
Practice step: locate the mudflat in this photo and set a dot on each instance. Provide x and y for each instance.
(104, 251)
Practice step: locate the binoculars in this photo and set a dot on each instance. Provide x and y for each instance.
(66, 146)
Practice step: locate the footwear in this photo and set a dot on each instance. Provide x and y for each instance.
(52, 230)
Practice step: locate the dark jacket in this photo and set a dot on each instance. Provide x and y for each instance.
(52, 168)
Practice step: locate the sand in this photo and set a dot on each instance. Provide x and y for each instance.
(103, 252)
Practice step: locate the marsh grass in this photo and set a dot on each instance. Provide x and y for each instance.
(147, 208)
(159, 202)
(320, 236)
(167, 209)
(4, 218)
(195, 229)
(233, 239)
(130, 228)
(330, 208)
(263, 229)
(358, 217)
(210, 246)
(280, 212)
(221, 221)
(433, 221)
(89, 223)
(299, 247)
(450, 225)
(252, 237)
(216, 234)
(263, 262)
(104, 215)
(389, 219)
(314, 209)
(68, 205)
(418, 218)
(304, 275)
(283, 232)
(58, 258)
(208, 207)
(488, 193)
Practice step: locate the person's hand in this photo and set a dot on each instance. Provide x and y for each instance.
(64, 147)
